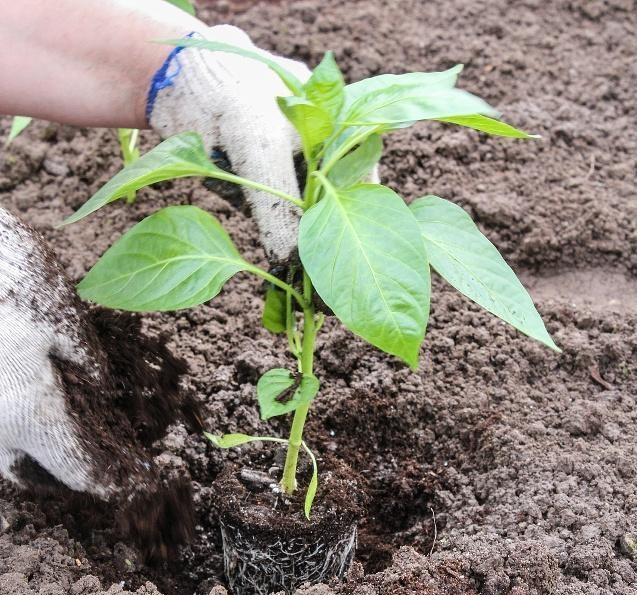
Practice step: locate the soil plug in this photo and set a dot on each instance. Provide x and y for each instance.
(363, 253)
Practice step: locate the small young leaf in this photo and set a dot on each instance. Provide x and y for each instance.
(185, 5)
(311, 489)
(363, 251)
(177, 258)
(488, 125)
(312, 123)
(279, 392)
(326, 87)
(18, 124)
(273, 318)
(179, 156)
(232, 440)
(289, 80)
(357, 165)
(472, 264)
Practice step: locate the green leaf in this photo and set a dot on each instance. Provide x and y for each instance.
(397, 106)
(488, 125)
(18, 124)
(311, 489)
(177, 258)
(232, 440)
(279, 392)
(358, 164)
(185, 5)
(326, 87)
(363, 251)
(312, 123)
(427, 81)
(472, 264)
(399, 100)
(179, 156)
(273, 318)
(289, 80)
(420, 83)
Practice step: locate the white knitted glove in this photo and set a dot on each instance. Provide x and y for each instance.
(38, 319)
(68, 413)
(231, 101)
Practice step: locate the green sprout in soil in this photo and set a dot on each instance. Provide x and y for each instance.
(130, 152)
(363, 250)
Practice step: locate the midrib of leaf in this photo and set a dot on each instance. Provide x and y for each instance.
(166, 262)
(373, 272)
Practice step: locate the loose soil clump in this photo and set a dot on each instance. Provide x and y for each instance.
(498, 467)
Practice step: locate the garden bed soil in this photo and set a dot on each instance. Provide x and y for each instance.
(498, 467)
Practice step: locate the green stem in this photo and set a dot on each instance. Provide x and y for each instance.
(353, 140)
(220, 175)
(295, 442)
(276, 281)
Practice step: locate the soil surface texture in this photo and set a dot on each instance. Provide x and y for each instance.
(498, 467)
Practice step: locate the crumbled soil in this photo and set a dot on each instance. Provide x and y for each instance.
(498, 467)
(242, 495)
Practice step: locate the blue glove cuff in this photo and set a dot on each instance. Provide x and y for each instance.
(164, 77)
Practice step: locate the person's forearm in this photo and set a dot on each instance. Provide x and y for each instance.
(84, 62)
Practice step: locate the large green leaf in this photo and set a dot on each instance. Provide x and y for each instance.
(459, 252)
(18, 124)
(362, 249)
(280, 392)
(179, 156)
(289, 79)
(312, 123)
(177, 258)
(488, 125)
(358, 164)
(185, 5)
(326, 87)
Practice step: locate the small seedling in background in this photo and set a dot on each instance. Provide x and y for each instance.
(130, 152)
(18, 124)
(362, 249)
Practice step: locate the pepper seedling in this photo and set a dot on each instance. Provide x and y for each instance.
(362, 249)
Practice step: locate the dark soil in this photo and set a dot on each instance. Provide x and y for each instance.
(499, 467)
(242, 496)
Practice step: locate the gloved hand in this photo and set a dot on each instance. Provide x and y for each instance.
(76, 408)
(231, 101)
